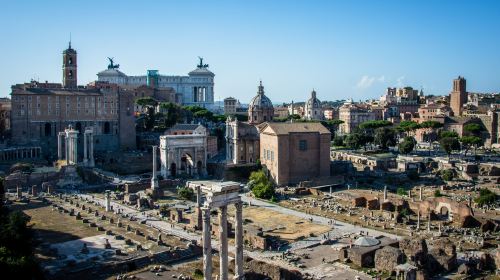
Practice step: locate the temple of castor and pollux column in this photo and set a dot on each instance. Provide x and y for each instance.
(219, 195)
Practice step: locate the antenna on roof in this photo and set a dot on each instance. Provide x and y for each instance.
(69, 40)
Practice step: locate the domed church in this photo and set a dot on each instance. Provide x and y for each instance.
(312, 108)
(260, 108)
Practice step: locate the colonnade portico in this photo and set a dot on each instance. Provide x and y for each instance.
(220, 195)
(69, 150)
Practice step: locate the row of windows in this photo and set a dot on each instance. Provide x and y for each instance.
(21, 112)
(269, 155)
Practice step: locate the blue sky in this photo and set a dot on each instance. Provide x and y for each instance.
(341, 49)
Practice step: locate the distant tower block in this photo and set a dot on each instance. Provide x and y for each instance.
(69, 68)
(458, 96)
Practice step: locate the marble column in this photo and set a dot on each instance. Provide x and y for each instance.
(223, 242)
(154, 178)
(207, 245)
(420, 194)
(418, 220)
(91, 151)
(66, 148)
(385, 193)
(85, 148)
(238, 236)
(107, 201)
(60, 145)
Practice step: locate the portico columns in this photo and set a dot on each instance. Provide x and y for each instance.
(85, 147)
(238, 236)
(66, 148)
(207, 245)
(223, 242)
(91, 142)
(60, 136)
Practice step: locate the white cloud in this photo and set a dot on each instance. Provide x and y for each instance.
(367, 81)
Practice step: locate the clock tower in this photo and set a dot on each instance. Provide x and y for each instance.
(69, 68)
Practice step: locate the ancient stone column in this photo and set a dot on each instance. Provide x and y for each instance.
(385, 193)
(91, 151)
(207, 245)
(420, 194)
(60, 135)
(154, 178)
(66, 147)
(223, 242)
(85, 148)
(107, 201)
(418, 220)
(238, 236)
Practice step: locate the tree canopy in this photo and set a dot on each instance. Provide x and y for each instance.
(261, 186)
(449, 144)
(146, 101)
(385, 137)
(407, 145)
(375, 124)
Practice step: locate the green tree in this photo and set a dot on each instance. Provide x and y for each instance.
(446, 133)
(486, 197)
(173, 113)
(385, 137)
(431, 124)
(401, 191)
(473, 129)
(469, 142)
(356, 139)
(146, 101)
(186, 193)
(375, 124)
(407, 145)
(408, 127)
(332, 126)
(449, 144)
(261, 186)
(338, 141)
(447, 175)
(437, 193)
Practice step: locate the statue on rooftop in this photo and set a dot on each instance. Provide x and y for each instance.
(111, 64)
(201, 65)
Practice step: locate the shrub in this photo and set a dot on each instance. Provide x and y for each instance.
(401, 191)
(447, 175)
(437, 193)
(486, 197)
(185, 193)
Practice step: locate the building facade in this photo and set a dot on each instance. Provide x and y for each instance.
(41, 110)
(353, 115)
(197, 88)
(242, 142)
(230, 106)
(295, 152)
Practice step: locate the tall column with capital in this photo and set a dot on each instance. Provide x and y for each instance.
(60, 145)
(85, 148)
(238, 236)
(66, 147)
(154, 178)
(91, 151)
(223, 242)
(207, 245)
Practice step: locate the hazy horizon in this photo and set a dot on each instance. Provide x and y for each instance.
(349, 49)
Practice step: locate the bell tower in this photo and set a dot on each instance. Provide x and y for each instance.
(69, 68)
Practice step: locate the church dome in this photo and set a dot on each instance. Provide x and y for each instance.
(261, 100)
(313, 102)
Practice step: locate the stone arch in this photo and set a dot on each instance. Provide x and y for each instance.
(444, 211)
